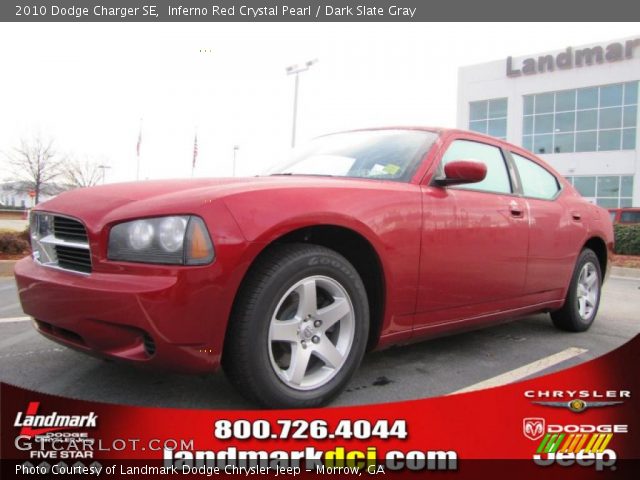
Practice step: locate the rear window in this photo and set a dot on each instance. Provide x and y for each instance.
(536, 181)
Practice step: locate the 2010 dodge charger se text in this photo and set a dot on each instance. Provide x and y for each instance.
(364, 239)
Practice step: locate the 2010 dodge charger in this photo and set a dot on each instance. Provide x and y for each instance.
(364, 239)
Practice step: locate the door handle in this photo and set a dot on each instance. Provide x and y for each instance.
(576, 215)
(516, 210)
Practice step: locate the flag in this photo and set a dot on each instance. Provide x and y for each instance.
(195, 151)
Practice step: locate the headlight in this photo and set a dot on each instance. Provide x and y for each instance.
(171, 233)
(179, 240)
(140, 234)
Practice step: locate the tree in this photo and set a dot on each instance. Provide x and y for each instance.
(36, 162)
(83, 173)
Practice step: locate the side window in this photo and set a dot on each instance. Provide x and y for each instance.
(497, 179)
(536, 181)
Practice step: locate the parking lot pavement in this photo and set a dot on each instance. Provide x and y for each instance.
(9, 304)
(425, 369)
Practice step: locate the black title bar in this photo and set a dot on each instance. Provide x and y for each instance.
(314, 11)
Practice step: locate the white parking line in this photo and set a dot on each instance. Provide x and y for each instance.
(11, 286)
(32, 352)
(14, 319)
(618, 277)
(525, 371)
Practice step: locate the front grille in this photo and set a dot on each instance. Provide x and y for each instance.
(60, 242)
(69, 229)
(73, 258)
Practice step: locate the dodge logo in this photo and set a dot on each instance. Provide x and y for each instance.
(533, 428)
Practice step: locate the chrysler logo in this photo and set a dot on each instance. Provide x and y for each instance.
(577, 405)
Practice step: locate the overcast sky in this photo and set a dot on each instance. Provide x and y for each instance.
(88, 85)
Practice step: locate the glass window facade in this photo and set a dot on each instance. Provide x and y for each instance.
(581, 120)
(489, 117)
(608, 191)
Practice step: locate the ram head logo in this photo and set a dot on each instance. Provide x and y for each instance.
(533, 428)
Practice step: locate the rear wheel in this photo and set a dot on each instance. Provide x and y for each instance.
(583, 296)
(299, 327)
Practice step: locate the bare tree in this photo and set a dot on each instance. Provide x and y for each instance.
(36, 162)
(83, 173)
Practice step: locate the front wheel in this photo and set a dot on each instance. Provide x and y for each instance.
(583, 296)
(299, 327)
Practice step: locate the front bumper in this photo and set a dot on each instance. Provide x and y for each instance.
(173, 320)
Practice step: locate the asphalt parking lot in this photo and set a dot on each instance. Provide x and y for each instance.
(436, 367)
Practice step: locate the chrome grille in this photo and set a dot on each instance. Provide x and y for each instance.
(69, 229)
(60, 242)
(73, 258)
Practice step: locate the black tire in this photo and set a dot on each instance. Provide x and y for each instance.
(248, 356)
(568, 318)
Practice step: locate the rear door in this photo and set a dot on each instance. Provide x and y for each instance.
(474, 240)
(556, 228)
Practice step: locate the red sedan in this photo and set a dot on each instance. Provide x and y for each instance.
(363, 240)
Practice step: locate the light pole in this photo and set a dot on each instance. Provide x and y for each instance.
(235, 152)
(297, 70)
(104, 170)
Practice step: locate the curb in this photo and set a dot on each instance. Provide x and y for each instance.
(6, 268)
(625, 272)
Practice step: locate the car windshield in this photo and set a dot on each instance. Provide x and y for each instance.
(376, 154)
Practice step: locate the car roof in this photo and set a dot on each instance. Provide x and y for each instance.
(441, 131)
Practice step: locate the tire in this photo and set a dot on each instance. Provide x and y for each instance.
(583, 297)
(282, 348)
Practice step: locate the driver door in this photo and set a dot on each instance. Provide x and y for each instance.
(474, 241)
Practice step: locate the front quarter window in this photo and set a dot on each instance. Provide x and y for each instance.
(497, 179)
(375, 154)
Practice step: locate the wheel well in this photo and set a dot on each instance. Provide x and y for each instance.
(600, 249)
(355, 248)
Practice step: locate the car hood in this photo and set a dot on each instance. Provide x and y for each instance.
(102, 204)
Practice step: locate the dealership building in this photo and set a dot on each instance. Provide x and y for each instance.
(576, 107)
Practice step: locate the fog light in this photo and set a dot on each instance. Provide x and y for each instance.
(149, 345)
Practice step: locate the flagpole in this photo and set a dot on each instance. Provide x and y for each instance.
(195, 152)
(138, 151)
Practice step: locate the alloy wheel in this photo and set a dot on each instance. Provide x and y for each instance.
(311, 332)
(588, 291)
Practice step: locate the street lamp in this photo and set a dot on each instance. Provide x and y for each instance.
(235, 152)
(296, 70)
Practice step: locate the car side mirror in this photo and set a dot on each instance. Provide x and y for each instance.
(460, 172)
